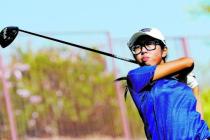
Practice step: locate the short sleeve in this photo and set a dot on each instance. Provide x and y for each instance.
(139, 78)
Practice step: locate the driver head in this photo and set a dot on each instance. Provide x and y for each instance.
(7, 36)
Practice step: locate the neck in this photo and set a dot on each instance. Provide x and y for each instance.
(162, 61)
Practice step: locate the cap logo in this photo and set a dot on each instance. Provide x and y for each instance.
(146, 30)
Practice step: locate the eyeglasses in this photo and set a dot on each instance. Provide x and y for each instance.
(148, 45)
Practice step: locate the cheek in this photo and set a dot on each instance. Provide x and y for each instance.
(156, 56)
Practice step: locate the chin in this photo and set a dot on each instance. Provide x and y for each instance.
(147, 64)
(144, 64)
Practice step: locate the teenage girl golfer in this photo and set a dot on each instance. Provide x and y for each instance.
(165, 102)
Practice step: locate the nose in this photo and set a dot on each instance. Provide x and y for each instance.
(143, 50)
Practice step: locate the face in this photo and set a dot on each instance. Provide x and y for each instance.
(149, 52)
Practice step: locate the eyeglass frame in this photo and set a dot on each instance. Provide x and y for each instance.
(154, 42)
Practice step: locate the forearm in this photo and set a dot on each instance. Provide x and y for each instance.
(198, 98)
(173, 67)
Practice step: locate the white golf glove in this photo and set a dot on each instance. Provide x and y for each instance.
(191, 80)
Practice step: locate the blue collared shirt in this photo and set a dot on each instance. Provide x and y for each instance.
(166, 106)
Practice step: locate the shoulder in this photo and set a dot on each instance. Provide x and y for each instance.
(140, 77)
(142, 70)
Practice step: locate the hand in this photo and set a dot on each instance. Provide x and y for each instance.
(191, 80)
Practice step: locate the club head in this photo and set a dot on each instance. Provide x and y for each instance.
(7, 36)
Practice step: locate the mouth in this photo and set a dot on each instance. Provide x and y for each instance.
(145, 59)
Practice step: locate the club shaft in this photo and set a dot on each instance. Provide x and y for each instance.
(79, 46)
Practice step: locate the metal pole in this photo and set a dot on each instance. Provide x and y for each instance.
(123, 112)
(5, 86)
(185, 46)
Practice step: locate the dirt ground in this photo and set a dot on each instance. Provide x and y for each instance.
(84, 138)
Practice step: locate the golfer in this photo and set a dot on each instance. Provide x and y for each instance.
(163, 91)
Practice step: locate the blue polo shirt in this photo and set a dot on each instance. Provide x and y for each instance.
(167, 107)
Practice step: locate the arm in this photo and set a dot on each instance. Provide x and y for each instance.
(180, 67)
(173, 67)
(198, 98)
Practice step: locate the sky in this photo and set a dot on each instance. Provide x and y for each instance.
(121, 18)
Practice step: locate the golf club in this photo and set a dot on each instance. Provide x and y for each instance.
(8, 34)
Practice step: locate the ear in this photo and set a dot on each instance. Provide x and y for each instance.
(164, 52)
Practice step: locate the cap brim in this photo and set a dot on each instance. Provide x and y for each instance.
(135, 37)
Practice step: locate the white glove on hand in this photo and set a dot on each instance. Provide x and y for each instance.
(191, 80)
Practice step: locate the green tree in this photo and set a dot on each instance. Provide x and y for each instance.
(62, 93)
(205, 6)
(202, 7)
(206, 103)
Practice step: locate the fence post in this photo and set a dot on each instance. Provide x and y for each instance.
(5, 86)
(184, 44)
(123, 112)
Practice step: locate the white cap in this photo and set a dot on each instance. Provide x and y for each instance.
(153, 32)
